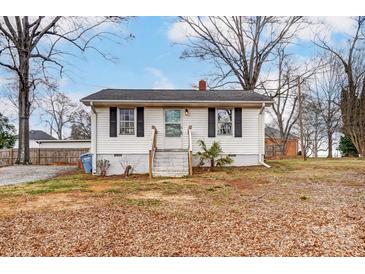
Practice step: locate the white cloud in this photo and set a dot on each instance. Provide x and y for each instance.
(323, 25)
(344, 24)
(179, 32)
(161, 82)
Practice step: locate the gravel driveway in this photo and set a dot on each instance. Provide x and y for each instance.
(12, 175)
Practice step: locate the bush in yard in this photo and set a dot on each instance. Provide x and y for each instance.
(102, 166)
(212, 155)
(347, 148)
(7, 133)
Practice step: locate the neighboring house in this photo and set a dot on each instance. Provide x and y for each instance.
(34, 136)
(274, 144)
(64, 143)
(127, 126)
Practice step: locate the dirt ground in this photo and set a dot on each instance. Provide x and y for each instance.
(316, 208)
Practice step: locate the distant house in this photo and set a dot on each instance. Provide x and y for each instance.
(274, 144)
(64, 143)
(34, 136)
(157, 131)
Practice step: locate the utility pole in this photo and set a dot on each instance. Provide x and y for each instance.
(300, 105)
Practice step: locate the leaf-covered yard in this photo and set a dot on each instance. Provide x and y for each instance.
(316, 208)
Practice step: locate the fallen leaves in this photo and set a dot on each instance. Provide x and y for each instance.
(222, 218)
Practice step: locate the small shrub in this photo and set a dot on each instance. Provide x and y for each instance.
(102, 166)
(127, 166)
(212, 155)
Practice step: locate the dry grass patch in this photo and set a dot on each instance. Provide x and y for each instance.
(47, 203)
(158, 195)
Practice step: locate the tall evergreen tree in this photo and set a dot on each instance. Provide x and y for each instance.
(7, 133)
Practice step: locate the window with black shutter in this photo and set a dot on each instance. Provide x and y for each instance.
(238, 122)
(140, 122)
(113, 122)
(211, 122)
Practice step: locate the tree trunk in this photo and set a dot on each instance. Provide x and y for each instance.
(212, 162)
(24, 110)
(315, 149)
(330, 143)
(303, 149)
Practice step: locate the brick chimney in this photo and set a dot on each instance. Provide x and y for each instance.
(202, 85)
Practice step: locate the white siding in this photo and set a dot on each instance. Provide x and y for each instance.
(247, 144)
(128, 144)
(198, 118)
(93, 149)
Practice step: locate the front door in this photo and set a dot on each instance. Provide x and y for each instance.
(173, 129)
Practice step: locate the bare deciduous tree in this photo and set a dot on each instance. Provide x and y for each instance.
(283, 89)
(326, 93)
(40, 43)
(59, 110)
(81, 124)
(313, 126)
(239, 46)
(352, 60)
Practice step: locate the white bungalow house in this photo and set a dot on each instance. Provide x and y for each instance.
(156, 131)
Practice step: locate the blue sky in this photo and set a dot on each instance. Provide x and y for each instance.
(151, 60)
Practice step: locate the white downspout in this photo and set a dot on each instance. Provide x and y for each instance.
(95, 139)
(262, 137)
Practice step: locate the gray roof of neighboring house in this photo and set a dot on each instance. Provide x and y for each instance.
(274, 133)
(156, 95)
(39, 135)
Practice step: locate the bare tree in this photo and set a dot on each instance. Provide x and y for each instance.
(239, 46)
(313, 126)
(40, 43)
(81, 124)
(283, 89)
(59, 110)
(352, 60)
(326, 94)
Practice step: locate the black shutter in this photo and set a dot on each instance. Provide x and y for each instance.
(211, 122)
(238, 122)
(140, 122)
(113, 122)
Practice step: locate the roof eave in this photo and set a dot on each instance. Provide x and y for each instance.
(174, 103)
(64, 141)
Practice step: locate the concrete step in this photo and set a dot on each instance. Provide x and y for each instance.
(170, 163)
(170, 160)
(170, 174)
(177, 157)
(171, 168)
(171, 150)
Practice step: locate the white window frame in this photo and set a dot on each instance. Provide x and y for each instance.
(216, 122)
(181, 122)
(134, 122)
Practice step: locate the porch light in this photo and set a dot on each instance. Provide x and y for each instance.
(186, 112)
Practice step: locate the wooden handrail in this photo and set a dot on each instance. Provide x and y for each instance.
(190, 150)
(151, 154)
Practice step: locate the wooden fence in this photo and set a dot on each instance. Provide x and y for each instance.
(44, 156)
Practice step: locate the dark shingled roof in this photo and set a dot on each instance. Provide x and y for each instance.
(39, 135)
(175, 95)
